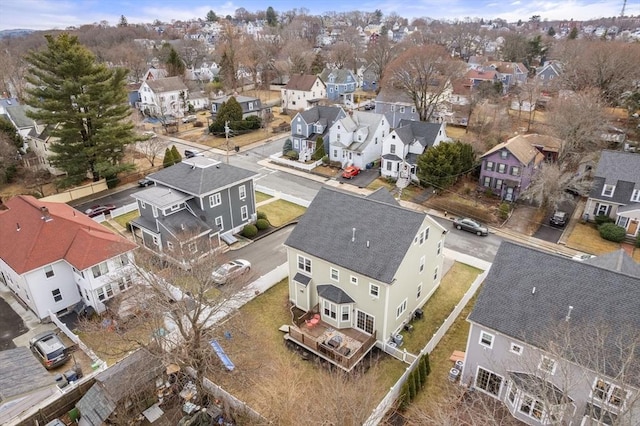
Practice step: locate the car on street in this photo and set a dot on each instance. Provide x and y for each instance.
(145, 182)
(581, 257)
(190, 153)
(98, 210)
(558, 219)
(189, 119)
(370, 107)
(350, 172)
(230, 270)
(470, 225)
(49, 349)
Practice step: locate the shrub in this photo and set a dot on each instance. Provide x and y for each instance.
(325, 160)
(612, 232)
(292, 155)
(504, 210)
(261, 215)
(198, 124)
(288, 146)
(250, 231)
(602, 218)
(262, 224)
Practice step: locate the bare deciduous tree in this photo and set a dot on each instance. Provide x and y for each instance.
(424, 73)
(151, 149)
(551, 183)
(379, 54)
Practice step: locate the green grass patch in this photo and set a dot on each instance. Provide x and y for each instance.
(452, 287)
(122, 220)
(280, 212)
(261, 196)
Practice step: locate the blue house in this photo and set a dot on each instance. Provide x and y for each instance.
(307, 126)
(341, 84)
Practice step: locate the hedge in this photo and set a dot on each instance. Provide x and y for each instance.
(262, 224)
(612, 232)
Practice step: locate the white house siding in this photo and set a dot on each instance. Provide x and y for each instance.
(16, 283)
(42, 300)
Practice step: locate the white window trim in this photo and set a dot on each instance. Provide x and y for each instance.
(331, 307)
(244, 212)
(337, 274)
(345, 309)
(475, 382)
(371, 286)
(422, 264)
(353, 280)
(606, 402)
(604, 190)
(304, 264)
(492, 337)
(242, 192)
(419, 292)
(401, 309)
(215, 199)
(635, 196)
(541, 365)
(49, 270)
(221, 224)
(515, 348)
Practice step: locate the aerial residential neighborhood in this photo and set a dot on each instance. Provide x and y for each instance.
(258, 217)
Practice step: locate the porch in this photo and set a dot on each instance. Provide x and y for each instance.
(344, 347)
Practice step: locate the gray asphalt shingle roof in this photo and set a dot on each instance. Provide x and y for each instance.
(161, 197)
(621, 169)
(327, 115)
(384, 196)
(383, 233)
(200, 176)
(183, 222)
(616, 261)
(21, 373)
(508, 303)
(334, 294)
(425, 133)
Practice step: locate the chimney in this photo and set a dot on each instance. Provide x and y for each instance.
(353, 236)
(18, 227)
(568, 317)
(45, 214)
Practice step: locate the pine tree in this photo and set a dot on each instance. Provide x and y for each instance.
(167, 161)
(176, 155)
(573, 34)
(319, 152)
(427, 365)
(175, 65)
(85, 103)
(272, 17)
(318, 64)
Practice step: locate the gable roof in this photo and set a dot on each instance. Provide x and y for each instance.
(169, 84)
(68, 235)
(519, 146)
(618, 261)
(362, 122)
(528, 292)
(302, 82)
(325, 115)
(546, 142)
(384, 196)
(200, 175)
(21, 373)
(382, 231)
(617, 166)
(425, 133)
(341, 75)
(474, 74)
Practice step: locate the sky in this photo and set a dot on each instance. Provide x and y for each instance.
(60, 14)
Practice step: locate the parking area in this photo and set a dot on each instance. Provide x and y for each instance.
(362, 180)
(550, 233)
(11, 326)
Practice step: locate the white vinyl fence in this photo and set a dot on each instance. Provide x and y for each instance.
(278, 159)
(124, 209)
(283, 196)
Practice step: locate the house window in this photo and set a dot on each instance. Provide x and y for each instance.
(400, 309)
(170, 245)
(502, 168)
(329, 309)
(389, 165)
(175, 207)
(486, 339)
(486, 181)
(488, 381)
(250, 104)
(374, 290)
(635, 196)
(421, 237)
(100, 269)
(402, 110)
(193, 247)
(426, 234)
(334, 274)
(101, 296)
(242, 192)
(393, 149)
(156, 241)
(354, 280)
(422, 262)
(504, 154)
(547, 365)
(419, 293)
(109, 291)
(122, 260)
(48, 271)
(57, 296)
(435, 274)
(602, 209)
(498, 183)
(244, 211)
(335, 153)
(215, 200)
(413, 110)
(515, 171)
(531, 407)
(219, 222)
(489, 165)
(304, 264)
(143, 205)
(515, 348)
(346, 310)
(609, 393)
(365, 322)
(607, 190)
(439, 247)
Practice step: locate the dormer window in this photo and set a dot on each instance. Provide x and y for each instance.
(607, 190)
(635, 196)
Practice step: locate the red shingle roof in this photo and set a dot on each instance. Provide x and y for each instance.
(28, 241)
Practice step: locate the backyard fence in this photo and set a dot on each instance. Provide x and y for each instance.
(283, 196)
(124, 209)
(78, 192)
(75, 339)
(394, 393)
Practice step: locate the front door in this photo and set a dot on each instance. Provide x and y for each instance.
(632, 229)
(365, 322)
(509, 195)
(302, 296)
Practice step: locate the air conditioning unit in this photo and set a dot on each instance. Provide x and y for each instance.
(398, 339)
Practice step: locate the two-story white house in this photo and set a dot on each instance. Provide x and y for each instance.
(402, 147)
(163, 96)
(356, 139)
(359, 269)
(52, 257)
(302, 92)
(556, 339)
(192, 205)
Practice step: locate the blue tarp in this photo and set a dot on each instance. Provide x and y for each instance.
(222, 355)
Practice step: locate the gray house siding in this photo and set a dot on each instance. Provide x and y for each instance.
(230, 207)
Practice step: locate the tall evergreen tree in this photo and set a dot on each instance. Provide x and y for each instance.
(85, 103)
(272, 17)
(211, 16)
(176, 155)
(175, 65)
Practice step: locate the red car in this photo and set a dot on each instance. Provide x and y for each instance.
(98, 210)
(350, 172)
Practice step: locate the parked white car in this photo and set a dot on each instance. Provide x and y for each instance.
(230, 270)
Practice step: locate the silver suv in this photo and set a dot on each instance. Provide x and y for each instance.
(49, 349)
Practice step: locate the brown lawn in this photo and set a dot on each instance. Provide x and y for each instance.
(585, 237)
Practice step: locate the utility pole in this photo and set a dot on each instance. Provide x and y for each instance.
(226, 134)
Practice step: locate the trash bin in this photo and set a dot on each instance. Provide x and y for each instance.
(237, 148)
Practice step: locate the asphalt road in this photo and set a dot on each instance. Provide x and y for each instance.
(484, 248)
(265, 254)
(119, 199)
(11, 326)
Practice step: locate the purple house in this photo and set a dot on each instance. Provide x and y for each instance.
(507, 168)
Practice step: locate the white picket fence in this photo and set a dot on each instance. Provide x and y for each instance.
(400, 354)
(124, 209)
(277, 158)
(394, 393)
(283, 196)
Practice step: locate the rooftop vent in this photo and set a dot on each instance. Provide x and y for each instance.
(18, 228)
(353, 236)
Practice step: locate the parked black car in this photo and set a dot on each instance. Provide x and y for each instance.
(145, 182)
(558, 219)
